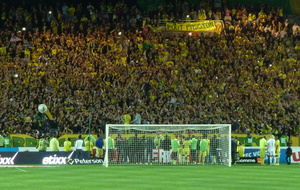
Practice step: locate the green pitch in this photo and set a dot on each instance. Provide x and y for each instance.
(141, 177)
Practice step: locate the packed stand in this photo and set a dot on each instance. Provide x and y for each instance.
(103, 61)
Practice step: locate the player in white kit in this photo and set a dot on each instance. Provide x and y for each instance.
(271, 149)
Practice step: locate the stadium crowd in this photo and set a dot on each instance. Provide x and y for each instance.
(105, 61)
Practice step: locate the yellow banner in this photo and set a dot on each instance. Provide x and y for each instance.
(156, 29)
(191, 26)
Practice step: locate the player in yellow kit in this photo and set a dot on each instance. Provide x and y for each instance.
(180, 149)
(186, 150)
(262, 147)
(203, 148)
(240, 148)
(207, 158)
(277, 150)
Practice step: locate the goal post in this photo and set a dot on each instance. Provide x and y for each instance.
(167, 144)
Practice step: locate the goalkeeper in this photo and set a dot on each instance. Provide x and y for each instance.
(194, 143)
(110, 143)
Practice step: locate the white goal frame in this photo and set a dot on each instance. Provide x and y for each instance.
(167, 128)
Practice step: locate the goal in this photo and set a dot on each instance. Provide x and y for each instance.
(184, 144)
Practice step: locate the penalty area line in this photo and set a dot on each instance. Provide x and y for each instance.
(21, 169)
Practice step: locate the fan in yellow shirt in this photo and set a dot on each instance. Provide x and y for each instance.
(126, 118)
(89, 145)
(68, 145)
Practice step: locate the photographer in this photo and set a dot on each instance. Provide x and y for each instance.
(249, 139)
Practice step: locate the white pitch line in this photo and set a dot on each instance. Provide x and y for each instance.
(21, 170)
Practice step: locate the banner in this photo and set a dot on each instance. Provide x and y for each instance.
(22, 140)
(247, 160)
(45, 158)
(254, 152)
(156, 29)
(85, 161)
(295, 158)
(191, 26)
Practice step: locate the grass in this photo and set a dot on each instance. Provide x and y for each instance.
(141, 177)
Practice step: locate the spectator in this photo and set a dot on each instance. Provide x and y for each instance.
(43, 143)
(54, 144)
(1, 141)
(79, 147)
(99, 145)
(289, 153)
(89, 145)
(68, 145)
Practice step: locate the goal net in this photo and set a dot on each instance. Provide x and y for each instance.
(195, 144)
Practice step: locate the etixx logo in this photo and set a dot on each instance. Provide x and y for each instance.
(49, 160)
(7, 160)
